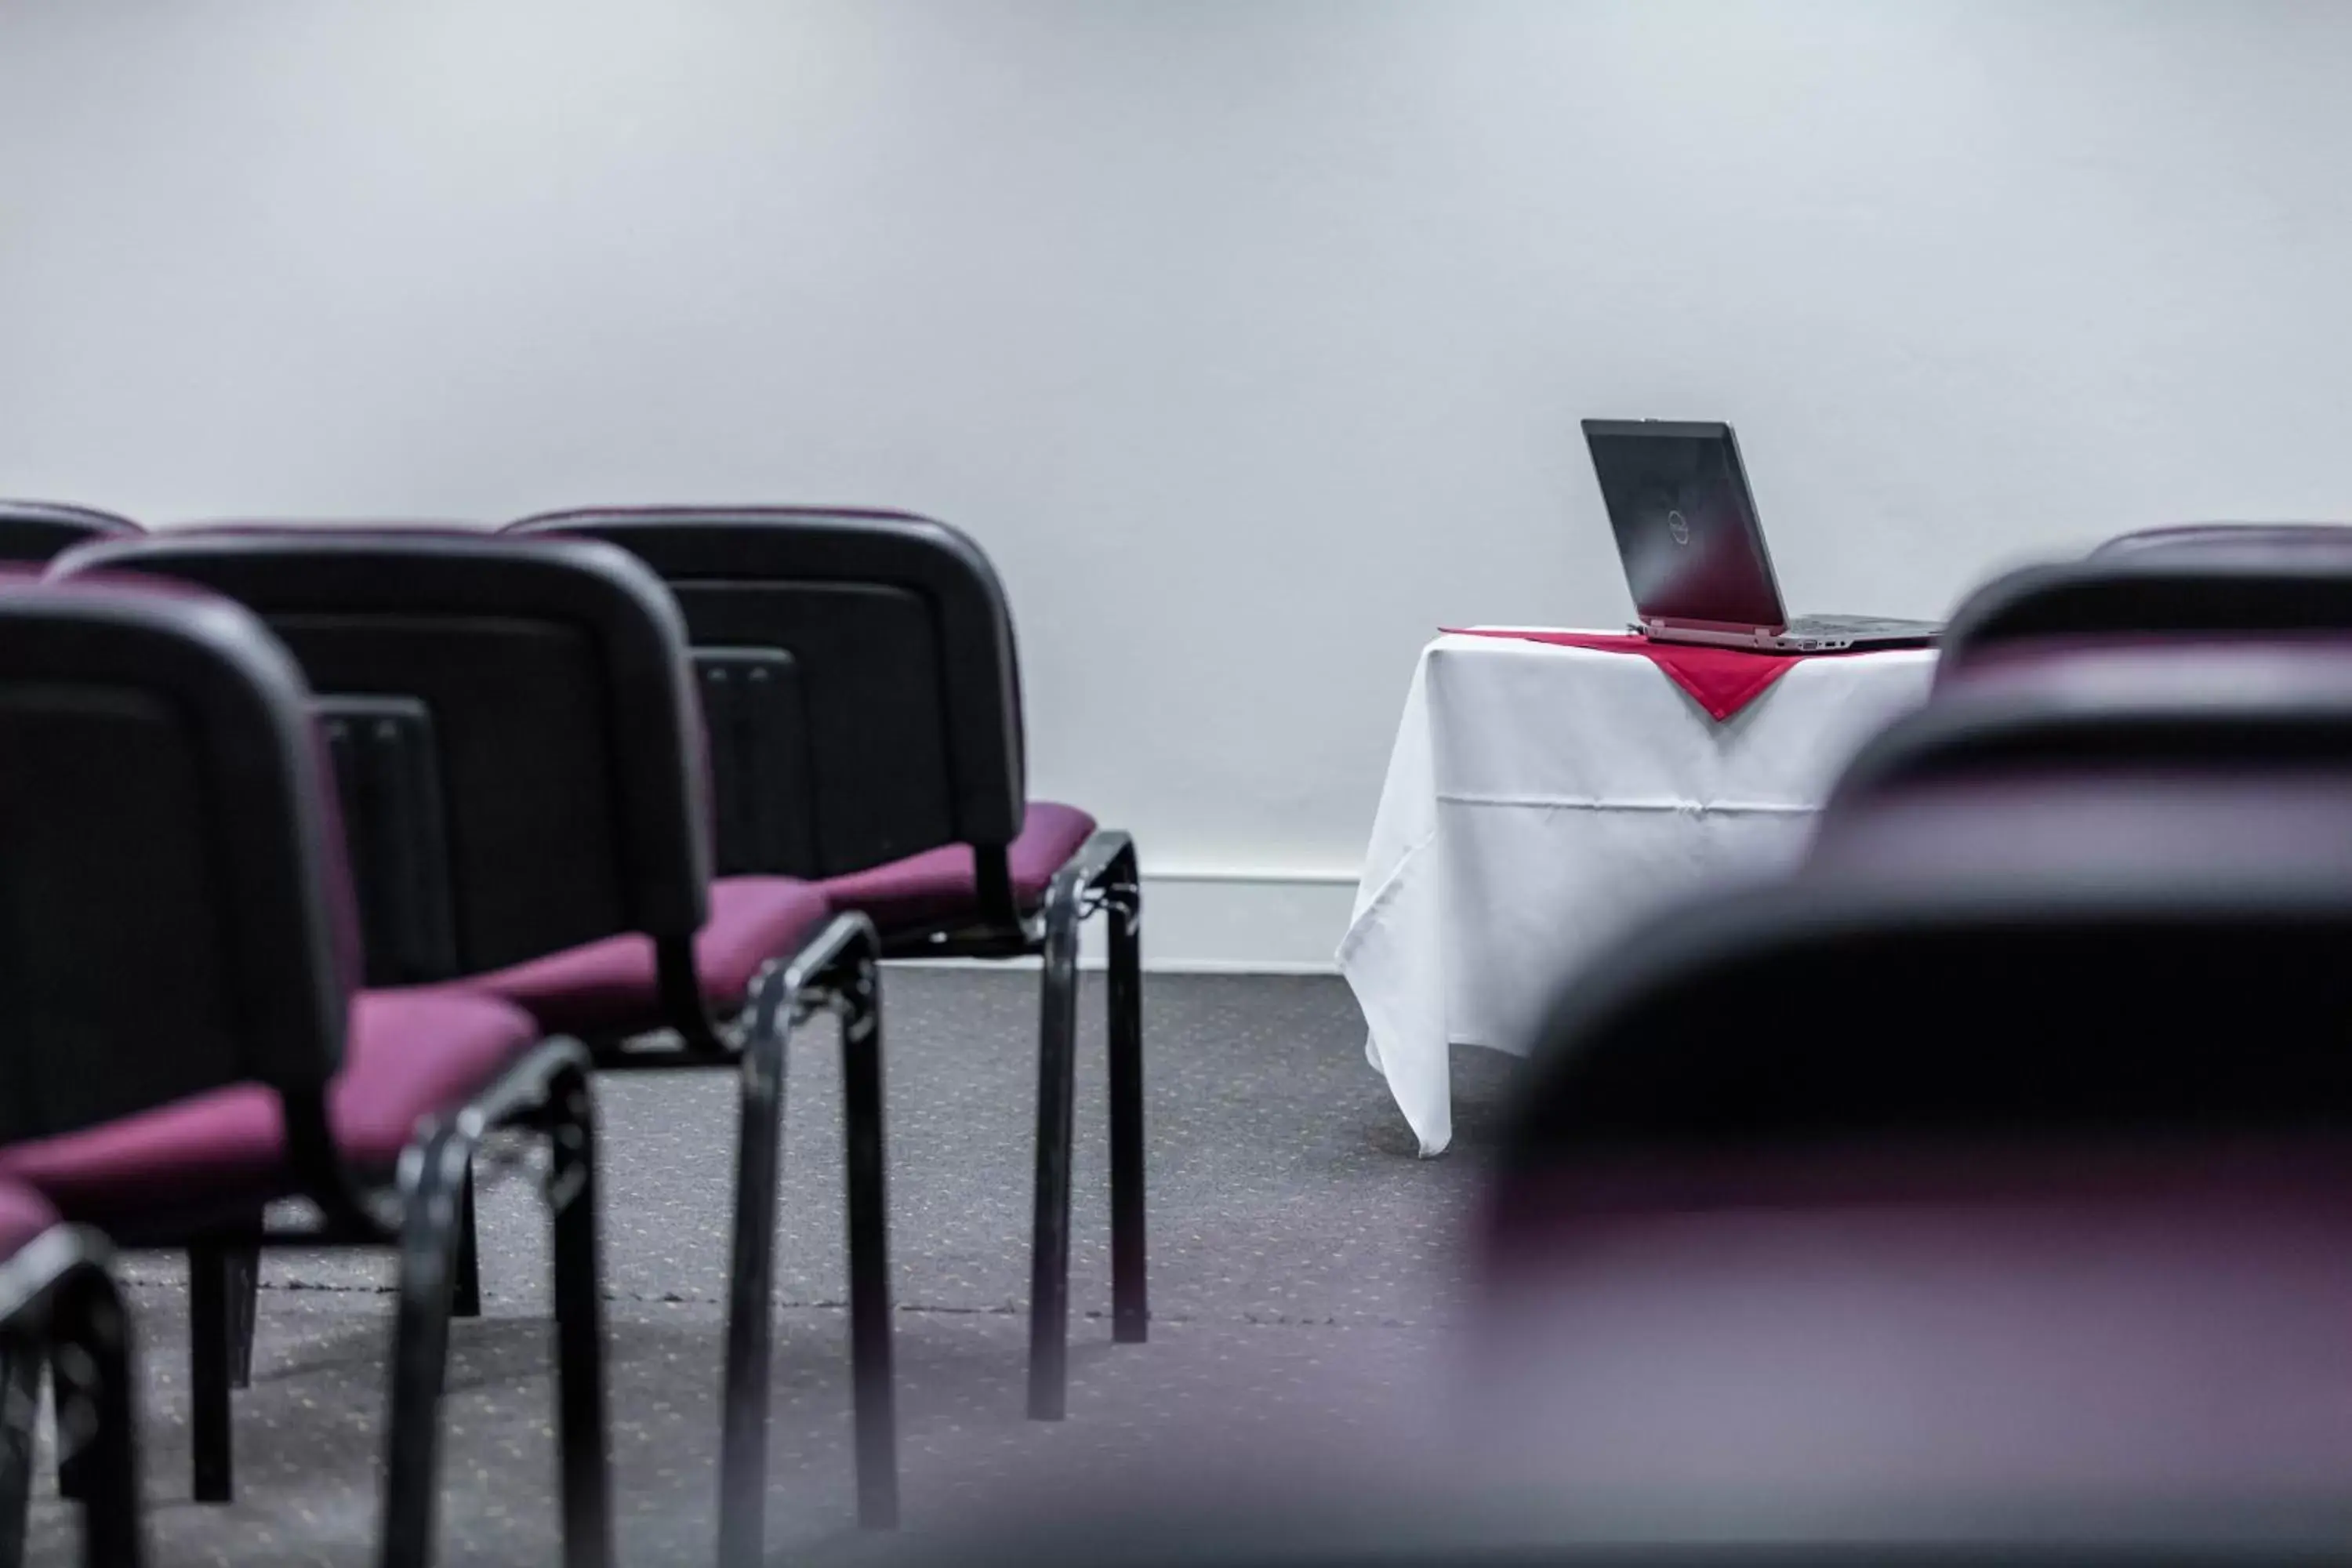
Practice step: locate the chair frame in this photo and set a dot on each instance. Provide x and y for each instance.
(838, 971)
(547, 1092)
(1101, 876)
(59, 1306)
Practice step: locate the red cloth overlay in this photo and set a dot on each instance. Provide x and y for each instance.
(1722, 680)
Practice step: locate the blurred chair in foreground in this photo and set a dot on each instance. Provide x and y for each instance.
(2001, 1158)
(2314, 537)
(2216, 594)
(59, 1309)
(864, 708)
(2111, 752)
(186, 1042)
(32, 530)
(1954, 1175)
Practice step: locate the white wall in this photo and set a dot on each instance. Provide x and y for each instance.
(1249, 336)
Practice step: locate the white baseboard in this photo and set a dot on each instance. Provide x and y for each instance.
(1220, 921)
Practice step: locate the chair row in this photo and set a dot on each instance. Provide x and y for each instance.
(1992, 1158)
(552, 827)
(187, 1042)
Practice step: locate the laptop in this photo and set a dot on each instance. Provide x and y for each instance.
(1693, 550)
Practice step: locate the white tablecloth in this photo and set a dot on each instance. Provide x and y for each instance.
(1540, 797)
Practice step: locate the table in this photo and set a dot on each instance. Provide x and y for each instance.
(1540, 798)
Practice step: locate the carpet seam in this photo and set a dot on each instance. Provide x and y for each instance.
(921, 1309)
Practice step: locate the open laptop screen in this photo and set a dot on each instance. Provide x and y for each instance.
(1684, 522)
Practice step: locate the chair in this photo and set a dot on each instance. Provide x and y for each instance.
(1932, 1002)
(859, 667)
(516, 734)
(2252, 591)
(2317, 537)
(1958, 1178)
(59, 1307)
(186, 1042)
(2107, 757)
(38, 531)
(2099, 712)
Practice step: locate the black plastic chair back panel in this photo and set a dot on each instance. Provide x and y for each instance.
(755, 714)
(848, 769)
(550, 728)
(166, 924)
(94, 948)
(515, 711)
(387, 765)
(901, 648)
(1901, 1017)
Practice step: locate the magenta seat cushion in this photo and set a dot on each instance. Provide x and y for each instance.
(1849, 1330)
(609, 987)
(24, 1215)
(410, 1054)
(939, 884)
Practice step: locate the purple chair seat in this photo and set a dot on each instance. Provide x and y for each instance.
(1864, 1325)
(24, 1215)
(409, 1054)
(610, 987)
(940, 884)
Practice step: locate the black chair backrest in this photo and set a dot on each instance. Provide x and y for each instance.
(2313, 536)
(2215, 591)
(515, 722)
(169, 912)
(41, 530)
(2109, 761)
(858, 672)
(2155, 710)
(1912, 1012)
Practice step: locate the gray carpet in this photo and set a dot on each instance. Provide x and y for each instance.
(1303, 1274)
